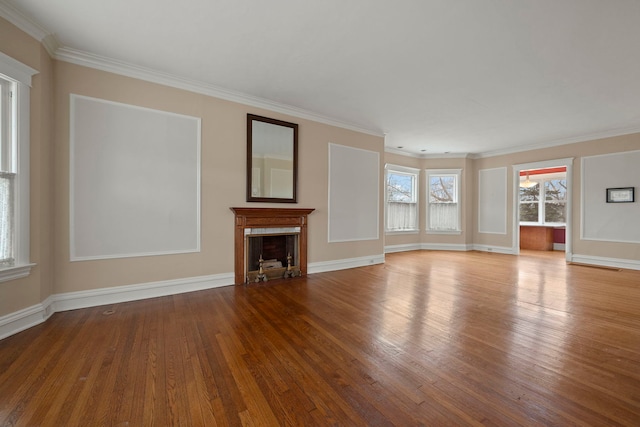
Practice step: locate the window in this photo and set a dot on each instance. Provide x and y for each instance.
(7, 173)
(544, 203)
(15, 79)
(401, 199)
(443, 203)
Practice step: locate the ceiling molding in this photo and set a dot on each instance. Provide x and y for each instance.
(23, 22)
(564, 141)
(130, 70)
(51, 44)
(393, 150)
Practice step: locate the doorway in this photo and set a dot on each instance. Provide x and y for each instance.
(542, 206)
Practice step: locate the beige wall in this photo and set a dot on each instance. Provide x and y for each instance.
(627, 251)
(223, 181)
(26, 292)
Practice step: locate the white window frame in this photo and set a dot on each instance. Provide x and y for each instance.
(457, 173)
(542, 201)
(20, 75)
(415, 174)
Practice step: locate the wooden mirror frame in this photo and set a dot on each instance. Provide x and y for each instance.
(251, 118)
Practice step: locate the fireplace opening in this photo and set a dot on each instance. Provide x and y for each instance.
(278, 254)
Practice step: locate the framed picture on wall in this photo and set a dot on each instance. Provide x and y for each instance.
(620, 195)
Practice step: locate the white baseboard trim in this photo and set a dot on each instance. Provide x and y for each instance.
(343, 264)
(446, 247)
(402, 248)
(34, 315)
(494, 249)
(628, 264)
(22, 319)
(558, 246)
(96, 297)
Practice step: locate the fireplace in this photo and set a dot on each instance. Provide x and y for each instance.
(270, 243)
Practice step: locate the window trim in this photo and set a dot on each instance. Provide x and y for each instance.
(20, 74)
(442, 172)
(416, 182)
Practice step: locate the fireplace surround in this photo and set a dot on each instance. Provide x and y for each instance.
(269, 223)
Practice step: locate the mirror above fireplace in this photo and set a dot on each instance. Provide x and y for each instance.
(272, 160)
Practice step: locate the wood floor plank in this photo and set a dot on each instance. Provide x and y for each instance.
(428, 339)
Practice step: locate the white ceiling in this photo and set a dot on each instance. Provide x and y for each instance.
(435, 76)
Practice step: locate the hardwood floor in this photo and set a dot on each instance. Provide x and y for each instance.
(428, 338)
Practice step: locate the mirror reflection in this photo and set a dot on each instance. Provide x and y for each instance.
(271, 160)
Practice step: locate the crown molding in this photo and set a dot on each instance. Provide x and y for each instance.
(392, 150)
(51, 44)
(564, 141)
(22, 21)
(522, 148)
(130, 70)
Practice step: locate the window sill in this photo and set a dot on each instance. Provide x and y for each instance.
(16, 272)
(452, 232)
(392, 232)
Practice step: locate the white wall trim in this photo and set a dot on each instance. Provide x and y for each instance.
(402, 248)
(16, 70)
(558, 142)
(343, 264)
(628, 264)
(446, 247)
(92, 298)
(17, 272)
(21, 320)
(496, 200)
(36, 314)
(100, 228)
(23, 22)
(494, 249)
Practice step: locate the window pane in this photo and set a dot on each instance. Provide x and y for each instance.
(529, 212)
(530, 194)
(442, 189)
(555, 189)
(6, 219)
(402, 216)
(443, 216)
(400, 188)
(555, 212)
